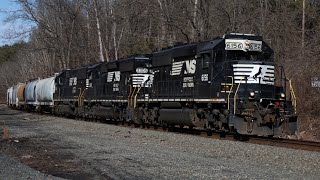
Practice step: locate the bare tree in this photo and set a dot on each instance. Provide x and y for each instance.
(98, 30)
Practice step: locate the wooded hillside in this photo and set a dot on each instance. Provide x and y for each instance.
(70, 33)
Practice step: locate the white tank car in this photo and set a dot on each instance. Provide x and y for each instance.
(44, 91)
(9, 96)
(14, 96)
(30, 93)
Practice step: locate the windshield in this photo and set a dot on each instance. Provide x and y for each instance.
(249, 56)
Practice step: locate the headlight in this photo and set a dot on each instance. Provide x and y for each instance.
(282, 95)
(251, 94)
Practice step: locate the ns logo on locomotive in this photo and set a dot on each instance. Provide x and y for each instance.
(228, 84)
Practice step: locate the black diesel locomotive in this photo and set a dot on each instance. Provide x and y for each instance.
(227, 84)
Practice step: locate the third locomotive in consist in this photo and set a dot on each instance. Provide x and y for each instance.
(227, 84)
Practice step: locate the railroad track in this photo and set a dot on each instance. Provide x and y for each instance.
(277, 142)
(287, 143)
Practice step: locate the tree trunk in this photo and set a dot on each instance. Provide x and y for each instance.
(98, 31)
(194, 18)
(162, 26)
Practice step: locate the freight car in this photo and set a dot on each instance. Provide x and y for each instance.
(30, 95)
(9, 96)
(20, 95)
(227, 84)
(38, 94)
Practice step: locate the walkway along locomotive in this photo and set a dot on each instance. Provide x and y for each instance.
(227, 84)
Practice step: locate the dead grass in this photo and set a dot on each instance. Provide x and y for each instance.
(309, 128)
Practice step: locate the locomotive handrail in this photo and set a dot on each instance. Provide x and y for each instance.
(235, 98)
(135, 98)
(134, 90)
(80, 97)
(129, 97)
(294, 99)
(230, 92)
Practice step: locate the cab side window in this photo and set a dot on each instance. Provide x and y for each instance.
(218, 56)
(205, 59)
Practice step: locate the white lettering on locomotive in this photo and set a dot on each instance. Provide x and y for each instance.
(115, 87)
(140, 70)
(88, 83)
(190, 67)
(204, 77)
(113, 76)
(73, 81)
(188, 82)
(253, 73)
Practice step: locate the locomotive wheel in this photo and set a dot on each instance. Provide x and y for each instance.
(241, 137)
(171, 128)
(244, 138)
(164, 128)
(223, 134)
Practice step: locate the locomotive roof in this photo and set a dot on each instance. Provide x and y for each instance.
(209, 45)
(165, 57)
(90, 66)
(132, 58)
(242, 36)
(129, 64)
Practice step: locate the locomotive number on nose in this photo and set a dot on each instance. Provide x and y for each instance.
(234, 45)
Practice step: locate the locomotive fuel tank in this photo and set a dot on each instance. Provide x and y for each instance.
(103, 112)
(182, 117)
(64, 109)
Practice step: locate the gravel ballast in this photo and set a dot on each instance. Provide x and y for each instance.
(13, 169)
(103, 151)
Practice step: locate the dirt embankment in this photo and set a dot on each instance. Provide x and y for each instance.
(309, 129)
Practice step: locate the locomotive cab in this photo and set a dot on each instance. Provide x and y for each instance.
(240, 69)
